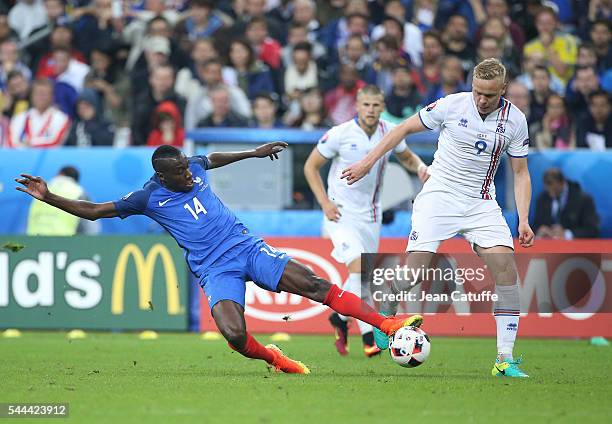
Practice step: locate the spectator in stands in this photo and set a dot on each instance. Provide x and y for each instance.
(539, 94)
(27, 15)
(498, 9)
(16, 98)
(510, 54)
(457, 42)
(161, 83)
(404, 100)
(412, 41)
(10, 61)
(222, 115)
(188, 79)
(387, 59)
(335, 33)
(38, 42)
(264, 112)
(61, 37)
(6, 32)
(43, 125)
(156, 53)
(256, 10)
(69, 70)
(555, 130)
(433, 51)
(564, 211)
(585, 83)
(305, 15)
(601, 36)
(299, 34)
(199, 103)
(201, 21)
(558, 49)
(424, 14)
(112, 85)
(309, 112)
(518, 94)
(340, 102)
(355, 53)
(586, 57)
(302, 74)
(595, 128)
(488, 47)
(97, 25)
(530, 62)
(246, 71)
(90, 128)
(451, 81)
(267, 49)
(167, 126)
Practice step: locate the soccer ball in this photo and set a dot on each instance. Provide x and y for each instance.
(409, 347)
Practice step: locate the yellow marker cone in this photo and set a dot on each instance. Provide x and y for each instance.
(280, 337)
(148, 335)
(211, 336)
(11, 333)
(76, 334)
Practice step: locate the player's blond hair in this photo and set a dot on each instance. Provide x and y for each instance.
(370, 90)
(490, 69)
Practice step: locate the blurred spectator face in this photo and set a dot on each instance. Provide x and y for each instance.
(356, 6)
(100, 62)
(402, 79)
(546, 23)
(452, 71)
(553, 187)
(220, 102)
(202, 51)
(42, 96)
(355, 49)
(301, 59)
(531, 61)
(61, 59)
(348, 77)
(212, 74)
(457, 28)
(586, 56)
(162, 79)
(18, 87)
(432, 49)
(303, 12)
(264, 110)
(488, 48)
(385, 54)
(394, 29)
(312, 101)
(496, 8)
(494, 27)
(199, 13)
(239, 55)
(587, 81)
(518, 95)
(255, 7)
(357, 24)
(85, 110)
(54, 9)
(297, 35)
(541, 81)
(369, 107)
(256, 33)
(396, 9)
(61, 37)
(156, 6)
(160, 28)
(102, 6)
(555, 107)
(9, 53)
(599, 106)
(5, 29)
(600, 35)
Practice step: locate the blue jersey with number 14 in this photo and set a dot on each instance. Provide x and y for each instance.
(199, 222)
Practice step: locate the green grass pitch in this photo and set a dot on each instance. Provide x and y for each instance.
(179, 378)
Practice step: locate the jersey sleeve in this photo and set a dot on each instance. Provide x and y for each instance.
(434, 114)
(519, 144)
(201, 160)
(329, 144)
(134, 203)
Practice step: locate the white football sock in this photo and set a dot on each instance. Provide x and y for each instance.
(507, 311)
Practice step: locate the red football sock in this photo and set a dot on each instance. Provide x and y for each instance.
(253, 349)
(346, 303)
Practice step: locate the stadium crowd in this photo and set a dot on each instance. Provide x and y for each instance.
(104, 72)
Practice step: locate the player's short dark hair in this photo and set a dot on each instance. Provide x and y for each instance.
(164, 152)
(553, 175)
(70, 171)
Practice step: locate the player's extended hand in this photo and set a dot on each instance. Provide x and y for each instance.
(331, 211)
(525, 234)
(34, 186)
(270, 150)
(355, 172)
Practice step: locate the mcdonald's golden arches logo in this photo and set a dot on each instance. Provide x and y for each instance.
(145, 273)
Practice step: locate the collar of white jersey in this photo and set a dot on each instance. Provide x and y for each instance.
(502, 103)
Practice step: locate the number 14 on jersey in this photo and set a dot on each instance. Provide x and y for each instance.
(197, 208)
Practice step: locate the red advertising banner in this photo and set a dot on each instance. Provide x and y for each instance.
(272, 312)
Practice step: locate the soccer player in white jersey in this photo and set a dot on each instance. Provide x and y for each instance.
(459, 198)
(353, 213)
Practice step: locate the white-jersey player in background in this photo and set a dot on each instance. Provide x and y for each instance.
(459, 198)
(353, 213)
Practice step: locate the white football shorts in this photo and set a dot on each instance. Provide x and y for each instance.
(351, 238)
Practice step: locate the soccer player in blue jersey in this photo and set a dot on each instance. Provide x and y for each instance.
(219, 249)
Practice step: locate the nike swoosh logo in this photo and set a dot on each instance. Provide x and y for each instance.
(341, 293)
(164, 202)
(502, 371)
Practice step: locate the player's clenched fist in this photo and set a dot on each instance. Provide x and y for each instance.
(331, 211)
(526, 235)
(355, 172)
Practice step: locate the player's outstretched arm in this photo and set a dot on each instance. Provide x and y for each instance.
(37, 188)
(413, 163)
(394, 137)
(271, 150)
(522, 196)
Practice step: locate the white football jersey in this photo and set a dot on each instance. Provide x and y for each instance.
(346, 144)
(470, 148)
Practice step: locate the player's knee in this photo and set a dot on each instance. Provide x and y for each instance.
(235, 335)
(316, 288)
